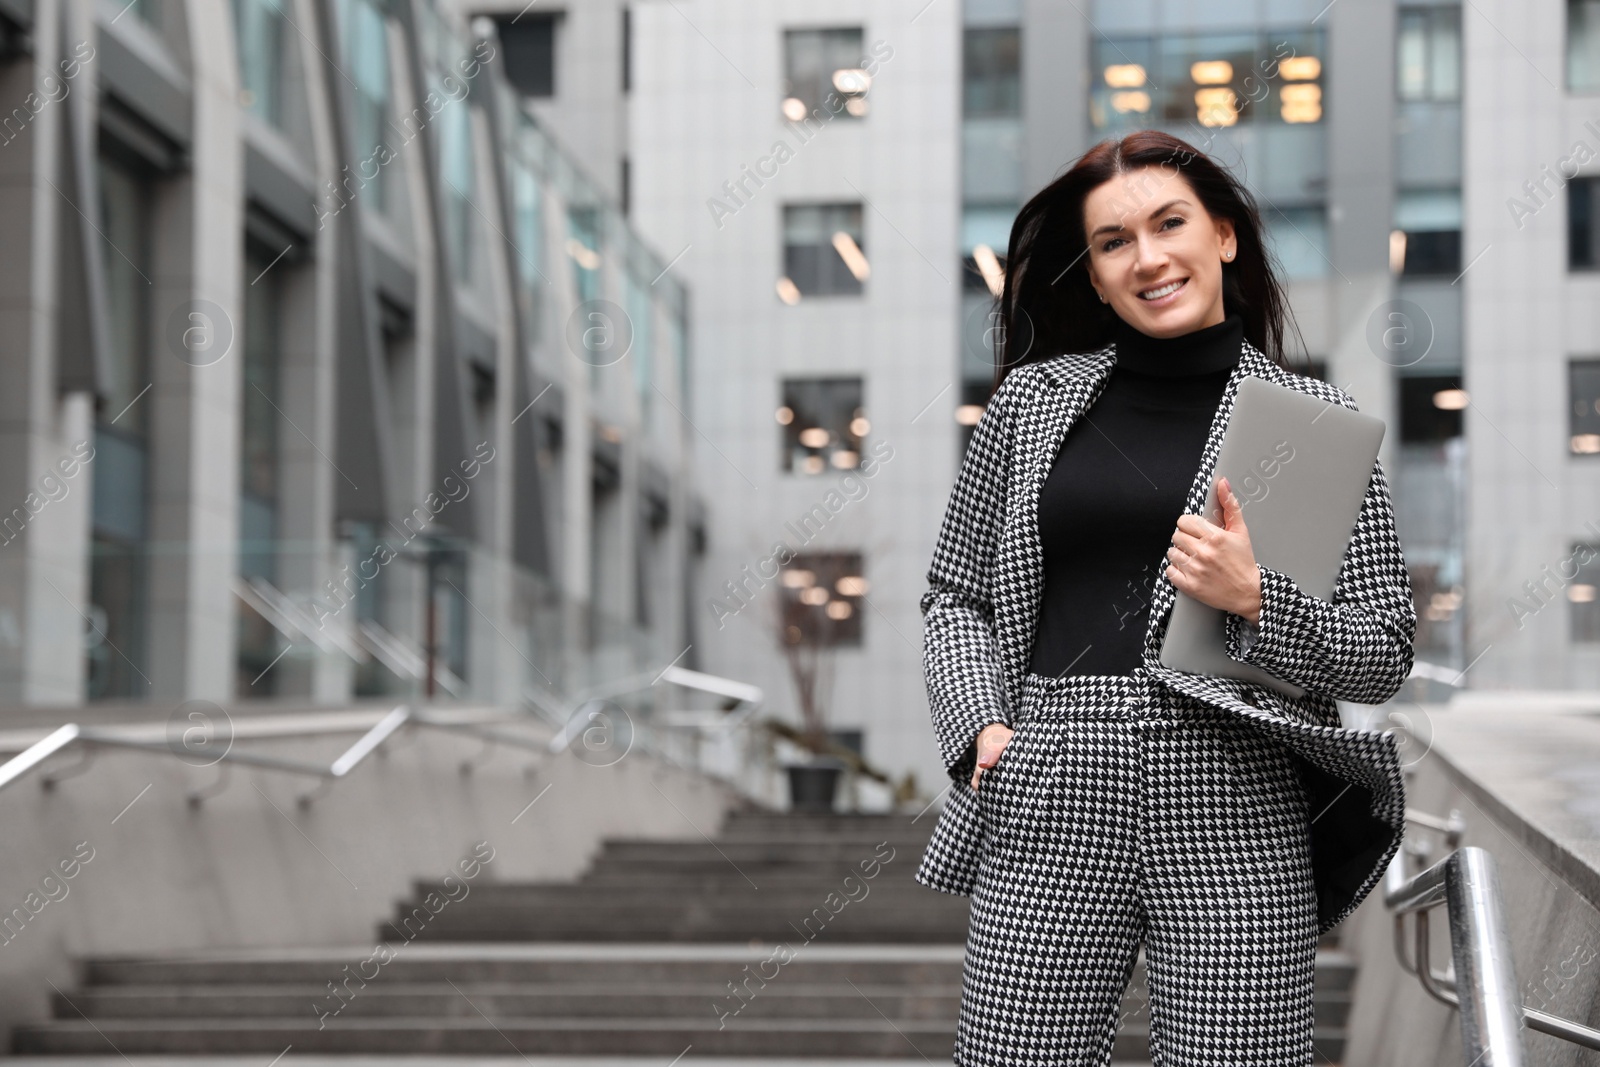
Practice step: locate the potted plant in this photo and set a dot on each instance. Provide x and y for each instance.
(814, 782)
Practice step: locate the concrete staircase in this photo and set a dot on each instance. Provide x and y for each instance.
(791, 936)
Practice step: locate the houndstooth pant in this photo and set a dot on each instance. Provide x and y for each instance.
(1107, 823)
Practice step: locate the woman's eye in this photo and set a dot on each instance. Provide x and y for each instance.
(1111, 244)
(1168, 224)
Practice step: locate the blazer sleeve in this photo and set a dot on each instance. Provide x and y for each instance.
(960, 651)
(1358, 647)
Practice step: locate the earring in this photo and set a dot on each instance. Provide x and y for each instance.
(1227, 255)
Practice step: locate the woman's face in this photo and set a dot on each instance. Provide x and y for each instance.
(1155, 253)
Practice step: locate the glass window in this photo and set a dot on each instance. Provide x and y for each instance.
(1430, 408)
(823, 251)
(259, 25)
(583, 247)
(1583, 406)
(528, 225)
(1583, 46)
(1187, 83)
(823, 424)
(822, 73)
(823, 594)
(1583, 223)
(1428, 223)
(260, 404)
(1298, 237)
(367, 55)
(460, 176)
(529, 41)
(991, 71)
(1582, 598)
(1428, 53)
(119, 564)
(985, 239)
(641, 315)
(259, 416)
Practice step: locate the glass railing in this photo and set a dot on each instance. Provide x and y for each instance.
(355, 620)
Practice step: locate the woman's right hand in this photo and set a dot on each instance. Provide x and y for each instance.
(992, 740)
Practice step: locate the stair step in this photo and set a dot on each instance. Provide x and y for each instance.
(658, 947)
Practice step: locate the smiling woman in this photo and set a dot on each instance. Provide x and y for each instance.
(1176, 239)
(1101, 799)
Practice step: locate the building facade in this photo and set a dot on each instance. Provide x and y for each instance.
(328, 373)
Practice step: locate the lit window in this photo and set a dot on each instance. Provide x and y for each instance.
(1430, 408)
(823, 424)
(1583, 605)
(823, 250)
(823, 77)
(1207, 80)
(823, 599)
(1583, 406)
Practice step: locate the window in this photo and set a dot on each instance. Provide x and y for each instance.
(823, 424)
(259, 26)
(1189, 83)
(991, 71)
(823, 251)
(527, 227)
(1583, 224)
(627, 49)
(822, 599)
(1430, 408)
(1298, 237)
(823, 75)
(1428, 224)
(119, 560)
(260, 403)
(367, 54)
(1584, 604)
(985, 239)
(529, 41)
(1428, 53)
(459, 181)
(1583, 46)
(583, 246)
(1583, 408)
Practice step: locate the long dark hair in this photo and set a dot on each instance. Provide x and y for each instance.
(1048, 305)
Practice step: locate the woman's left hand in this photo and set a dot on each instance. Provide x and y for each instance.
(1215, 564)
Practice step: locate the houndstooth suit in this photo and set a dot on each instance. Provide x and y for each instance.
(1224, 824)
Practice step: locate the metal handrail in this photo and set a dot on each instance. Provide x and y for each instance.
(566, 721)
(1481, 983)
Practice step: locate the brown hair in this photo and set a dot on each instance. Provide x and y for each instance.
(1048, 305)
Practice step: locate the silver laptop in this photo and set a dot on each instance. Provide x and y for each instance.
(1300, 467)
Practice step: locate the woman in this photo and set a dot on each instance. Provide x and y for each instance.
(1102, 800)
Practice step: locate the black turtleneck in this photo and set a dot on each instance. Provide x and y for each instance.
(1109, 505)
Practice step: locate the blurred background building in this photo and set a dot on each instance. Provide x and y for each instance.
(825, 192)
(292, 405)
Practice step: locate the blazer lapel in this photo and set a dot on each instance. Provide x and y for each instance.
(1070, 384)
(1251, 364)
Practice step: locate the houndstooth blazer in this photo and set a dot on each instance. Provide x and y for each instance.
(987, 578)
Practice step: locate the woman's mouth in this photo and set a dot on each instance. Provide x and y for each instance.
(1163, 294)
